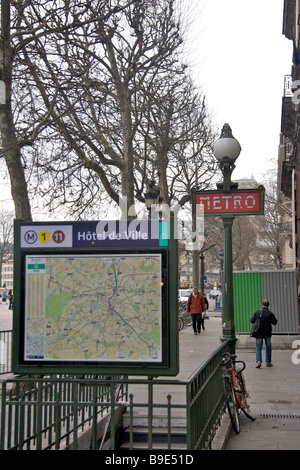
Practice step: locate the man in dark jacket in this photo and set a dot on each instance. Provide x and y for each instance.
(267, 320)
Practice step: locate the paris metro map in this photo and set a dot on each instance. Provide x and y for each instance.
(93, 308)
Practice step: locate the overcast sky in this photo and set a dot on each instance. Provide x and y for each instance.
(239, 57)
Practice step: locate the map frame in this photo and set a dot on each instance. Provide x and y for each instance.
(168, 361)
(77, 312)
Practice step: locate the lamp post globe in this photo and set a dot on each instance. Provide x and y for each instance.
(226, 148)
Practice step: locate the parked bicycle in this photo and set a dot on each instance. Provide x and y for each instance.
(180, 323)
(236, 394)
(186, 316)
(184, 319)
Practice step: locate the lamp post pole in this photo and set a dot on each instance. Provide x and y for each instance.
(227, 288)
(221, 258)
(201, 271)
(226, 150)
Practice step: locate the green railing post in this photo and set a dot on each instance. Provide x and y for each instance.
(3, 417)
(188, 417)
(57, 418)
(93, 445)
(21, 420)
(75, 415)
(112, 416)
(131, 421)
(169, 397)
(150, 412)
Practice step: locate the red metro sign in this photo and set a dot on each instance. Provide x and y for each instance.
(237, 202)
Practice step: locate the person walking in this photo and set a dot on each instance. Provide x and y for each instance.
(10, 297)
(267, 320)
(196, 306)
(4, 296)
(206, 308)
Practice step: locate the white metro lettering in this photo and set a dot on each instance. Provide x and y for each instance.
(229, 202)
(248, 203)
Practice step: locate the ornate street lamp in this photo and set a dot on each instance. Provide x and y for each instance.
(151, 195)
(227, 150)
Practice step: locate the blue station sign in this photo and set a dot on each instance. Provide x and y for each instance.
(137, 233)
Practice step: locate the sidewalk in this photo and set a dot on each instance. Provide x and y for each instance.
(274, 392)
(6, 317)
(275, 402)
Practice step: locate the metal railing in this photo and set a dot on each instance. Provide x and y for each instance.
(40, 413)
(5, 351)
(64, 412)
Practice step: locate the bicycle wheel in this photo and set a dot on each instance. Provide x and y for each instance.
(245, 407)
(231, 404)
(187, 318)
(180, 323)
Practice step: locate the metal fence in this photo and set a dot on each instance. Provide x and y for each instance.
(40, 413)
(63, 412)
(279, 287)
(5, 351)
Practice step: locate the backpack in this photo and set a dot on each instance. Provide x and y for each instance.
(256, 328)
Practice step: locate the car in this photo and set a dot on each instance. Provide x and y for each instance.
(183, 294)
(214, 294)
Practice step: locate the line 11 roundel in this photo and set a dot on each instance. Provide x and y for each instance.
(58, 236)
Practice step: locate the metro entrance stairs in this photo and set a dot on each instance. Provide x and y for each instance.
(160, 436)
(194, 351)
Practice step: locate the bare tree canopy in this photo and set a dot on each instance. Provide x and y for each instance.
(101, 103)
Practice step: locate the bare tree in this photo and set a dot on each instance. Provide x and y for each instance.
(276, 221)
(102, 102)
(179, 139)
(85, 63)
(244, 242)
(11, 143)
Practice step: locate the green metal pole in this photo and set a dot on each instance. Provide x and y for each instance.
(189, 418)
(150, 411)
(227, 293)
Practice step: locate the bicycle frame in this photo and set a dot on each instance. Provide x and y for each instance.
(180, 323)
(235, 391)
(237, 382)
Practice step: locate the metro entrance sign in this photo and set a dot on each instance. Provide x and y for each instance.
(237, 202)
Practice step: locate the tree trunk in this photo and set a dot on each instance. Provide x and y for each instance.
(11, 149)
(15, 169)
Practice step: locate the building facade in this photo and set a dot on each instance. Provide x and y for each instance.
(7, 274)
(289, 148)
